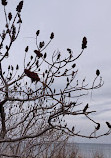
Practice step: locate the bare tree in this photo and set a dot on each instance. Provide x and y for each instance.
(32, 105)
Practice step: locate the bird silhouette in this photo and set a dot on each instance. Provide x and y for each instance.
(98, 126)
(38, 53)
(108, 124)
(84, 43)
(86, 107)
(34, 76)
(97, 72)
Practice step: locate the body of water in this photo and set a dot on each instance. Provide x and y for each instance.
(88, 150)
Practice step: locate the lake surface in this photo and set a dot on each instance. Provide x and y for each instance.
(84, 150)
(89, 150)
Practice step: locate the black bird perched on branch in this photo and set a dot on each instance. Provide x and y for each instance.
(97, 72)
(85, 108)
(34, 76)
(98, 126)
(108, 124)
(84, 43)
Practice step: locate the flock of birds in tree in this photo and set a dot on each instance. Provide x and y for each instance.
(35, 78)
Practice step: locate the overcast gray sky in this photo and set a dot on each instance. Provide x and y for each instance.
(71, 20)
